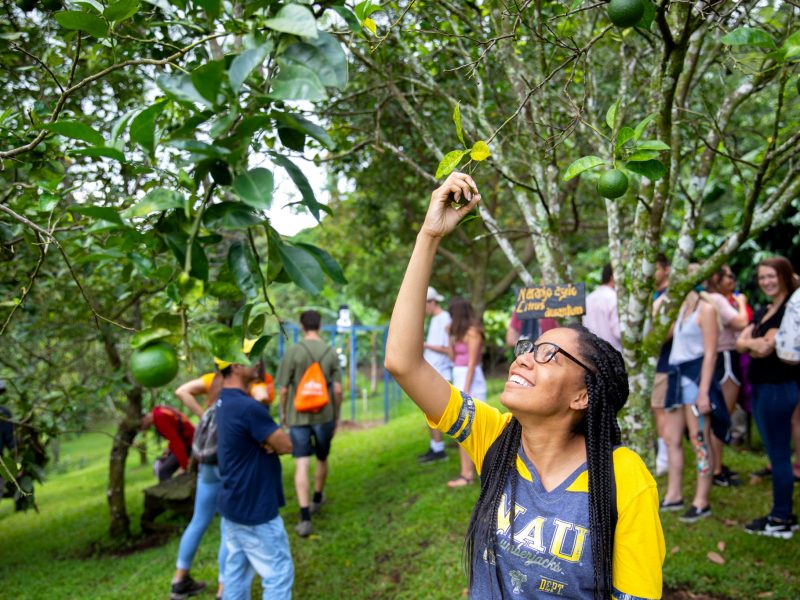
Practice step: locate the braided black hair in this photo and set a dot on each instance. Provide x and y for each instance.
(607, 388)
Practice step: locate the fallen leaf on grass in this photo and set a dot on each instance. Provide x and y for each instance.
(729, 522)
(715, 558)
(675, 550)
(766, 595)
(721, 546)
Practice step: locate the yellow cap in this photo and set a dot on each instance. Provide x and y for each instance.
(247, 346)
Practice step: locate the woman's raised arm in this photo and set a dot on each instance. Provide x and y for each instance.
(404, 359)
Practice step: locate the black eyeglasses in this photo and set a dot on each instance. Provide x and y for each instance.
(544, 352)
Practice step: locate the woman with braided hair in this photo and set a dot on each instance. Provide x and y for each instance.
(585, 519)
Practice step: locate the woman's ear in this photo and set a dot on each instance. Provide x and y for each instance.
(580, 401)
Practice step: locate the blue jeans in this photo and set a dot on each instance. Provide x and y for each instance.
(773, 404)
(205, 507)
(262, 549)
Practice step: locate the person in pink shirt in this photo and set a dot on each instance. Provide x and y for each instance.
(728, 371)
(601, 316)
(466, 350)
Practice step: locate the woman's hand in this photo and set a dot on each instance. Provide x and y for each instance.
(442, 218)
(703, 403)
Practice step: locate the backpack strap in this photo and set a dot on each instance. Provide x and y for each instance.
(313, 360)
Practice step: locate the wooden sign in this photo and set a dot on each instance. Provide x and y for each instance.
(551, 301)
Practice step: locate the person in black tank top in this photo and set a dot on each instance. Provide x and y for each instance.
(775, 394)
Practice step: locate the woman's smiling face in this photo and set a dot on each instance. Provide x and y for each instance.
(546, 388)
(769, 282)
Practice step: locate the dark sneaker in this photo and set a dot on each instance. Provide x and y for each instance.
(317, 506)
(726, 480)
(730, 474)
(773, 527)
(765, 472)
(430, 457)
(304, 528)
(694, 514)
(186, 587)
(671, 506)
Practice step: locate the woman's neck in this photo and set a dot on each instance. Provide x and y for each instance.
(554, 455)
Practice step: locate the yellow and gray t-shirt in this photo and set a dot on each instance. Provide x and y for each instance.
(551, 552)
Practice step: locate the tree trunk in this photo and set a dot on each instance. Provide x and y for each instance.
(119, 522)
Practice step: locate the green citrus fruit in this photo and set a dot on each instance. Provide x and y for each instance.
(27, 5)
(612, 184)
(154, 365)
(52, 5)
(625, 13)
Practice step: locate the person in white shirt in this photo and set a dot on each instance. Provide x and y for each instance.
(437, 354)
(787, 341)
(601, 316)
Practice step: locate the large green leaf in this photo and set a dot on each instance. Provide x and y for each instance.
(243, 65)
(449, 162)
(748, 36)
(229, 215)
(104, 213)
(322, 55)
(207, 80)
(156, 200)
(77, 20)
(181, 88)
(643, 155)
(652, 169)
(305, 126)
(297, 82)
(294, 19)
(121, 10)
(652, 145)
(329, 265)
(99, 152)
(302, 267)
(639, 129)
(457, 121)
(242, 264)
(348, 16)
(143, 127)
(223, 343)
(254, 187)
(292, 138)
(76, 130)
(147, 336)
(625, 134)
(301, 181)
(791, 46)
(611, 114)
(211, 7)
(582, 164)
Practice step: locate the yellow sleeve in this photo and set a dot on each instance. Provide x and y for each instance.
(639, 548)
(473, 424)
(207, 379)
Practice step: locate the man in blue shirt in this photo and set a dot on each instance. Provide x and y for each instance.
(248, 445)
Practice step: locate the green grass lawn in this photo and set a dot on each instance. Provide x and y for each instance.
(391, 529)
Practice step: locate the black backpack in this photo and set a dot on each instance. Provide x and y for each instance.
(204, 443)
